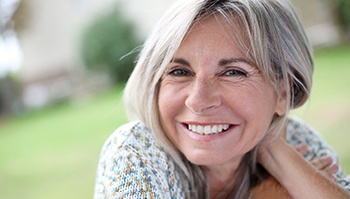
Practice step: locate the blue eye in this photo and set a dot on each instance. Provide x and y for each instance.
(235, 73)
(179, 72)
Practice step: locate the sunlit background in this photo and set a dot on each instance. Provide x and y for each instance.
(63, 65)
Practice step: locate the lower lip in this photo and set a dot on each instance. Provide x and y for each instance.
(207, 138)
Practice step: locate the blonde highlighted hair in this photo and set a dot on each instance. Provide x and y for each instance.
(276, 43)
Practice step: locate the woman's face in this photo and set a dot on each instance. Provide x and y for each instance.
(214, 104)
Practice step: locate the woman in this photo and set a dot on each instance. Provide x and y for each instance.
(211, 93)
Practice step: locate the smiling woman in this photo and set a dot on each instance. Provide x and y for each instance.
(210, 78)
(210, 94)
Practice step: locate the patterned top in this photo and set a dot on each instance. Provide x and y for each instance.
(133, 165)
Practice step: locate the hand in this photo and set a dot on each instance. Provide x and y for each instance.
(271, 188)
(294, 173)
(270, 139)
(325, 163)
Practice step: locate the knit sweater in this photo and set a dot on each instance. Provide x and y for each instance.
(133, 165)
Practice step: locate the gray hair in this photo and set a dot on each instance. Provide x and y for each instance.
(277, 44)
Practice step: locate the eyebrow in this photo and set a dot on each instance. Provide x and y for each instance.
(222, 62)
(181, 61)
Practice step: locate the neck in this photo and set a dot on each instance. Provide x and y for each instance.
(221, 179)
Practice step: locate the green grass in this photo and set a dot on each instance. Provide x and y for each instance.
(53, 153)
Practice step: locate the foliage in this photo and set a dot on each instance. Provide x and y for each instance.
(344, 13)
(106, 42)
(9, 92)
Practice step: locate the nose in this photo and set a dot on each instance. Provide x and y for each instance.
(204, 97)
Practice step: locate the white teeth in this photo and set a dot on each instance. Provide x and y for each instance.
(225, 127)
(208, 130)
(220, 128)
(194, 128)
(200, 129)
(214, 129)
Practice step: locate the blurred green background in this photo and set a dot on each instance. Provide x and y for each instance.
(53, 153)
(328, 109)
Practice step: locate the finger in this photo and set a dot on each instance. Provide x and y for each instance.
(322, 162)
(332, 169)
(302, 148)
(334, 177)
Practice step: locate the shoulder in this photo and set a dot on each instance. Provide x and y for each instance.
(132, 164)
(298, 131)
(130, 135)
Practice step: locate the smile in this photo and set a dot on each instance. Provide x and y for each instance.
(208, 129)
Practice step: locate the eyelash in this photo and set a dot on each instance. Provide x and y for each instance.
(235, 72)
(180, 72)
(184, 72)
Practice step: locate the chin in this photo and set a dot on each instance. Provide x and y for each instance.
(205, 159)
(221, 157)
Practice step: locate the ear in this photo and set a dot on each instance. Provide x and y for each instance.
(281, 107)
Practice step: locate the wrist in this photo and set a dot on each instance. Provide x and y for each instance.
(269, 153)
(278, 158)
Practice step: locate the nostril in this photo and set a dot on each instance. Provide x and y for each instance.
(201, 105)
(203, 95)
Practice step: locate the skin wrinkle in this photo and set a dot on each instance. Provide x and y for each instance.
(252, 75)
(204, 93)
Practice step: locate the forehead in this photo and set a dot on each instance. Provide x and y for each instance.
(216, 25)
(215, 33)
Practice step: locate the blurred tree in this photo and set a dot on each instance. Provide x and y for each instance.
(10, 56)
(108, 44)
(9, 92)
(343, 11)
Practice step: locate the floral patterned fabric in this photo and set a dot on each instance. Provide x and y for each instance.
(132, 165)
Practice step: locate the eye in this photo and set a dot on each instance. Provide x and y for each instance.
(180, 72)
(235, 72)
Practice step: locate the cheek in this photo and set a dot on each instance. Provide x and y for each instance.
(169, 103)
(258, 106)
(255, 103)
(163, 105)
